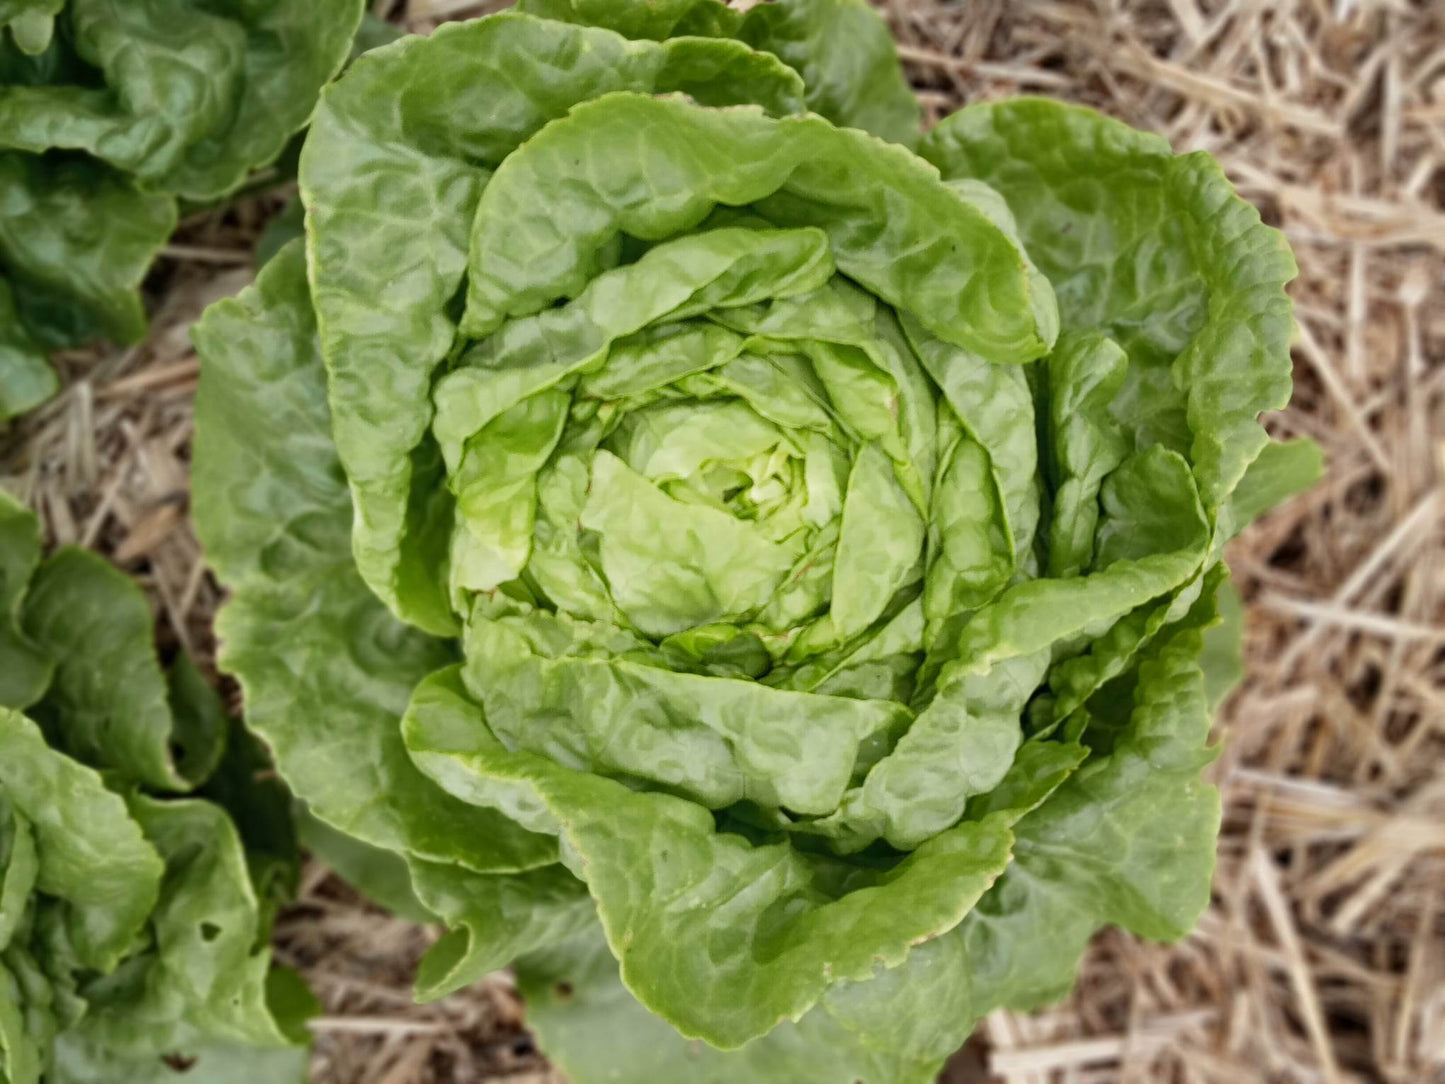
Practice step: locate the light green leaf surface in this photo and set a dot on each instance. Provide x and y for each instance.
(1223, 657)
(130, 927)
(1017, 949)
(1085, 373)
(493, 919)
(841, 49)
(844, 52)
(536, 239)
(549, 690)
(215, 1063)
(597, 1033)
(1128, 840)
(1283, 469)
(205, 978)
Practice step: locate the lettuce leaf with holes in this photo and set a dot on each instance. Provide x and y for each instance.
(143, 849)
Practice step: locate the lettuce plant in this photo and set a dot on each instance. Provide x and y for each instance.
(750, 561)
(109, 112)
(134, 912)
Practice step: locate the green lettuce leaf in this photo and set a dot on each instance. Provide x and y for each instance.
(841, 48)
(806, 921)
(76, 238)
(25, 667)
(190, 97)
(109, 704)
(382, 286)
(26, 379)
(93, 858)
(281, 530)
(1155, 251)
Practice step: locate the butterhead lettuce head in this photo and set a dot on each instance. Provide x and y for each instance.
(751, 561)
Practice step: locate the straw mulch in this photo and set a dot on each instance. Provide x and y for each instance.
(1322, 956)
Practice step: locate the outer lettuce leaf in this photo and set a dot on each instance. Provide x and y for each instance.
(1017, 949)
(131, 928)
(1129, 840)
(1155, 251)
(191, 97)
(844, 52)
(278, 531)
(76, 238)
(26, 380)
(105, 122)
(964, 741)
(205, 977)
(25, 668)
(109, 704)
(718, 963)
(1282, 470)
(932, 255)
(493, 919)
(92, 856)
(715, 739)
(595, 1030)
(841, 48)
(1223, 657)
(217, 1063)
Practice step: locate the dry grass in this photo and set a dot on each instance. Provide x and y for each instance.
(1322, 957)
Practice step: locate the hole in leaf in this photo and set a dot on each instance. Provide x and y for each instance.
(209, 932)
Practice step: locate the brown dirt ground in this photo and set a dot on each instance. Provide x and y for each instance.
(1322, 955)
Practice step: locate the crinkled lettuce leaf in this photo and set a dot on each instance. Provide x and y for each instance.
(842, 49)
(186, 97)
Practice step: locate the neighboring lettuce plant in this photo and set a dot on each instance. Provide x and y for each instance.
(143, 854)
(751, 563)
(110, 111)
